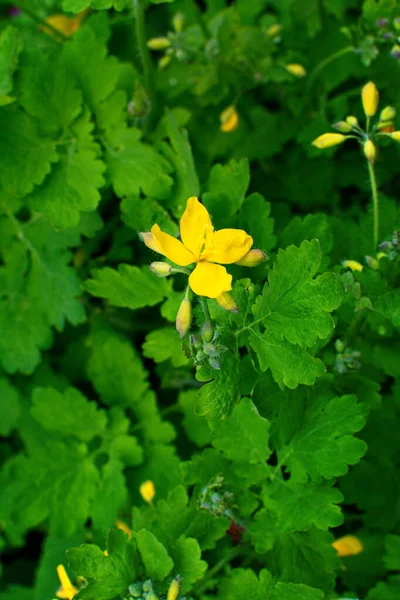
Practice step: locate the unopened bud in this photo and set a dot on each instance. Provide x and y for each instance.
(252, 259)
(135, 590)
(396, 23)
(395, 52)
(354, 265)
(229, 119)
(226, 301)
(184, 317)
(370, 151)
(210, 350)
(161, 269)
(339, 345)
(327, 140)
(158, 43)
(352, 120)
(178, 21)
(207, 331)
(395, 135)
(164, 61)
(195, 341)
(388, 113)
(274, 30)
(147, 491)
(214, 363)
(348, 545)
(372, 262)
(370, 99)
(174, 588)
(342, 126)
(296, 69)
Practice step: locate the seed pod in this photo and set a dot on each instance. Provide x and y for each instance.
(174, 588)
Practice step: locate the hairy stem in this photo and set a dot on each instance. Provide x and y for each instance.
(327, 61)
(205, 308)
(140, 29)
(375, 204)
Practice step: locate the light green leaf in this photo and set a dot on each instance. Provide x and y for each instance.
(164, 344)
(254, 217)
(392, 552)
(10, 47)
(110, 497)
(226, 190)
(187, 561)
(196, 428)
(155, 558)
(389, 306)
(216, 399)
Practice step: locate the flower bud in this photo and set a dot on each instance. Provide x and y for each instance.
(210, 350)
(158, 43)
(252, 259)
(395, 135)
(382, 22)
(354, 265)
(370, 99)
(226, 301)
(372, 262)
(184, 317)
(395, 52)
(178, 21)
(135, 590)
(342, 126)
(164, 61)
(161, 269)
(147, 491)
(214, 363)
(174, 588)
(274, 30)
(195, 341)
(296, 69)
(348, 545)
(370, 151)
(229, 119)
(351, 120)
(388, 113)
(326, 140)
(396, 23)
(207, 331)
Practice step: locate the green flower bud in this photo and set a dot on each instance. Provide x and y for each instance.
(158, 43)
(388, 113)
(207, 331)
(342, 126)
(161, 269)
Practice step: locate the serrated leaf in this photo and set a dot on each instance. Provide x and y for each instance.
(155, 558)
(9, 407)
(69, 414)
(226, 189)
(187, 561)
(392, 552)
(141, 213)
(111, 495)
(389, 306)
(216, 399)
(10, 48)
(294, 312)
(196, 428)
(164, 344)
(254, 217)
(129, 287)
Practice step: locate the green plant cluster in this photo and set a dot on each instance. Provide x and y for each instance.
(267, 434)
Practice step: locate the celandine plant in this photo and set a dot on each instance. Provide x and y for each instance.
(175, 425)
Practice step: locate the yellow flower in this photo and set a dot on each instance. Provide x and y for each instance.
(204, 246)
(65, 25)
(147, 491)
(67, 591)
(370, 99)
(229, 119)
(296, 69)
(326, 140)
(370, 151)
(353, 265)
(348, 545)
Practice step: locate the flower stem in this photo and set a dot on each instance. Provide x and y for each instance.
(140, 29)
(206, 310)
(229, 555)
(375, 203)
(326, 62)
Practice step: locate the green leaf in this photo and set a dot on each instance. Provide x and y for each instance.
(129, 287)
(216, 399)
(389, 306)
(386, 590)
(26, 157)
(226, 190)
(111, 495)
(187, 561)
(164, 344)
(10, 47)
(196, 428)
(141, 213)
(293, 311)
(69, 414)
(313, 226)
(157, 562)
(392, 552)
(254, 217)
(243, 436)
(9, 407)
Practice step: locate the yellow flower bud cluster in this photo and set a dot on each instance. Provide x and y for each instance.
(172, 44)
(351, 129)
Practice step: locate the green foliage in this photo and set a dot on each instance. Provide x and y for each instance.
(269, 430)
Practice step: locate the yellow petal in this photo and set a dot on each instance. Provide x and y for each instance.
(196, 226)
(210, 280)
(370, 99)
(348, 545)
(67, 590)
(228, 246)
(147, 490)
(172, 248)
(148, 238)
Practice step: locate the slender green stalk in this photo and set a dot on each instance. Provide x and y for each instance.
(375, 203)
(206, 310)
(230, 555)
(140, 28)
(326, 62)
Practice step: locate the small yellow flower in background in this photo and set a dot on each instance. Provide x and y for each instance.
(158, 43)
(184, 317)
(370, 151)
(147, 491)
(229, 119)
(274, 30)
(353, 265)
(227, 302)
(202, 245)
(174, 588)
(123, 527)
(65, 25)
(348, 545)
(178, 21)
(326, 140)
(67, 591)
(296, 69)
(370, 99)
(395, 135)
